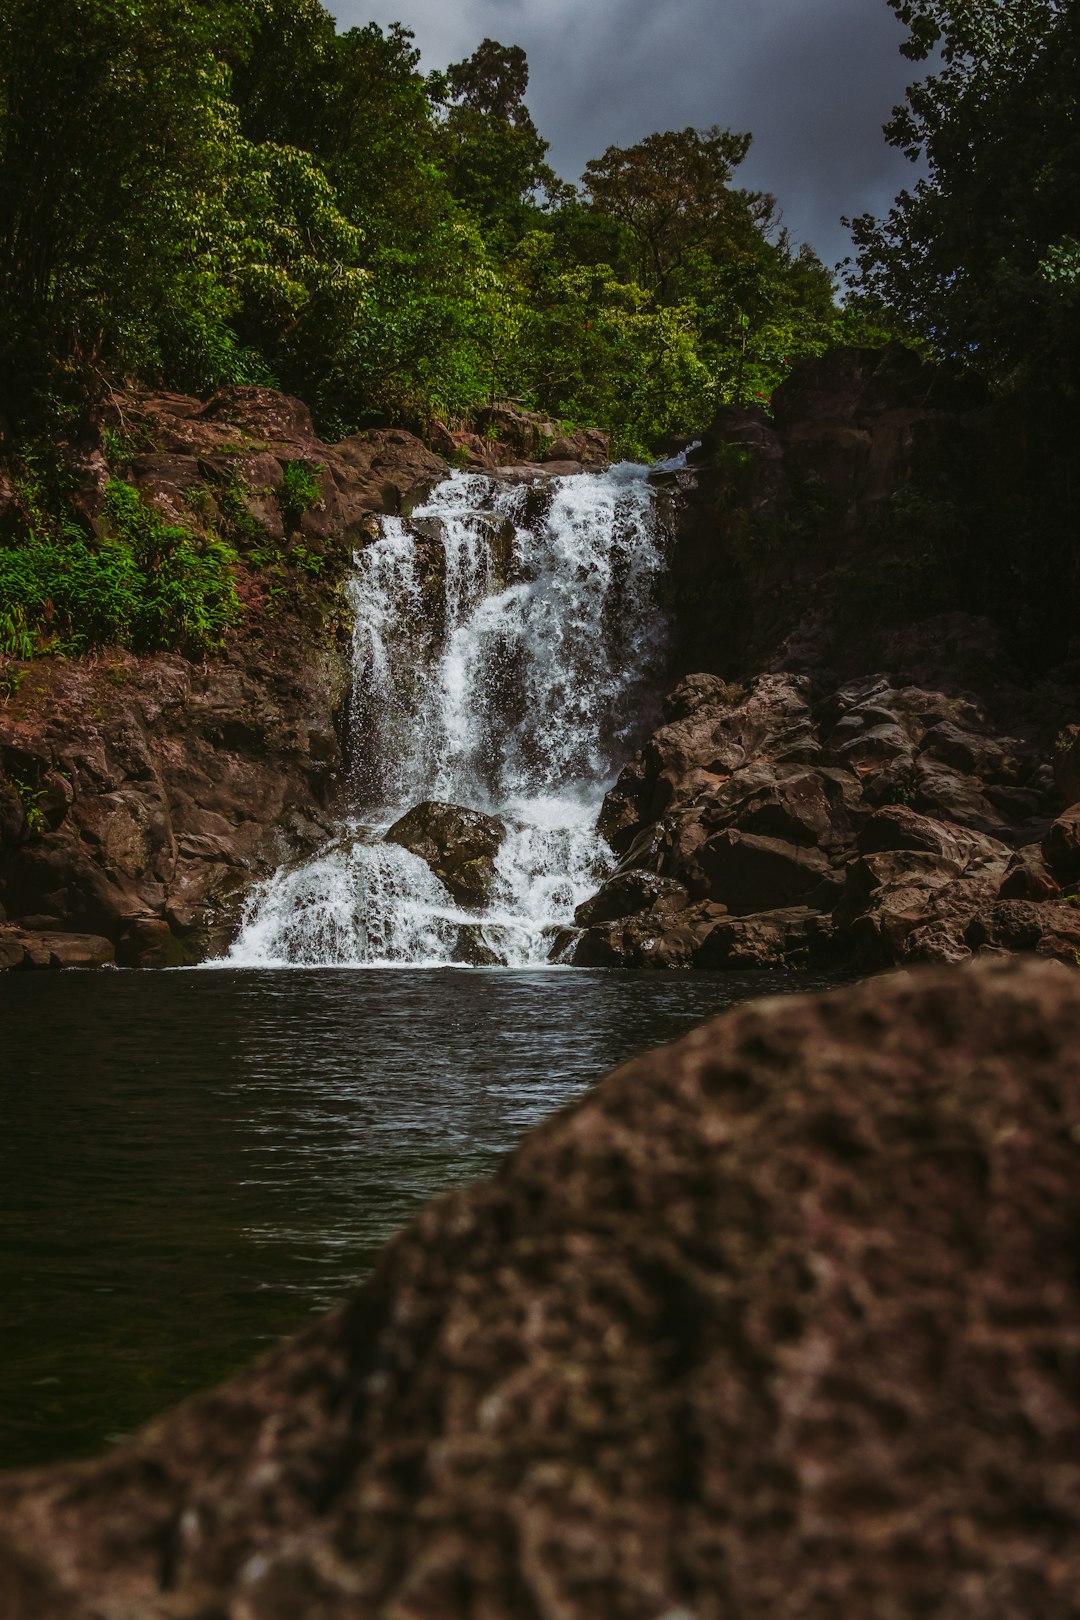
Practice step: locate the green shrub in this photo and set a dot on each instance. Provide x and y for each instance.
(146, 584)
(300, 492)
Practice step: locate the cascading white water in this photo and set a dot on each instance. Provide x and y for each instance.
(506, 640)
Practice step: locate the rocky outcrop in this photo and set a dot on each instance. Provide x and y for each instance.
(779, 1321)
(140, 797)
(505, 435)
(459, 846)
(878, 825)
(813, 812)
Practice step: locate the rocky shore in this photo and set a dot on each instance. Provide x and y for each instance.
(782, 1320)
(849, 776)
(880, 824)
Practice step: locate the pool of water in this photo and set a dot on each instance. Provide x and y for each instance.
(193, 1163)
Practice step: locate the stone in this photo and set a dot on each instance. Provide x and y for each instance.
(950, 795)
(792, 937)
(807, 807)
(631, 892)
(656, 940)
(739, 1333)
(50, 949)
(459, 845)
(1027, 877)
(1048, 928)
(1066, 763)
(967, 752)
(749, 873)
(1061, 847)
(911, 905)
(898, 827)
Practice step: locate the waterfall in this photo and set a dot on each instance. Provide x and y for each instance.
(507, 640)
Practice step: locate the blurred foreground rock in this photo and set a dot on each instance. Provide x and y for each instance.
(781, 1321)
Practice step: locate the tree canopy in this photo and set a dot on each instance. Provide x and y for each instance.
(981, 258)
(265, 198)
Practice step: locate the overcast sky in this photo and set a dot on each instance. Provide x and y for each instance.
(813, 80)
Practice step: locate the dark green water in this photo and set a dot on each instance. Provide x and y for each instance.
(193, 1163)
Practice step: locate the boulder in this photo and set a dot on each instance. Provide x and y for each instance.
(804, 807)
(655, 939)
(792, 937)
(1047, 928)
(1027, 877)
(897, 827)
(459, 846)
(748, 873)
(21, 948)
(779, 1321)
(968, 752)
(910, 905)
(629, 893)
(951, 795)
(1061, 847)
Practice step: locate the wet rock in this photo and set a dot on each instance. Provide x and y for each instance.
(658, 940)
(1061, 847)
(474, 949)
(1048, 929)
(747, 873)
(459, 845)
(1027, 877)
(629, 893)
(791, 937)
(21, 949)
(738, 1334)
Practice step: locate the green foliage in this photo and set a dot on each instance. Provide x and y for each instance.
(269, 200)
(492, 150)
(980, 258)
(30, 798)
(301, 491)
(673, 194)
(146, 584)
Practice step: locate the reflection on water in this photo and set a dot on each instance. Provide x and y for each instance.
(191, 1163)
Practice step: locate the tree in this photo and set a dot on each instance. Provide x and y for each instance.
(982, 258)
(673, 193)
(492, 150)
(493, 81)
(113, 144)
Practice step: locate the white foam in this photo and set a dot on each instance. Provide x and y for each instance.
(512, 690)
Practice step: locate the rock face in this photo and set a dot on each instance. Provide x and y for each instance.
(504, 436)
(459, 845)
(849, 775)
(849, 827)
(141, 797)
(779, 1321)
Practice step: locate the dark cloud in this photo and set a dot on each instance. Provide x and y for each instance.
(812, 79)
